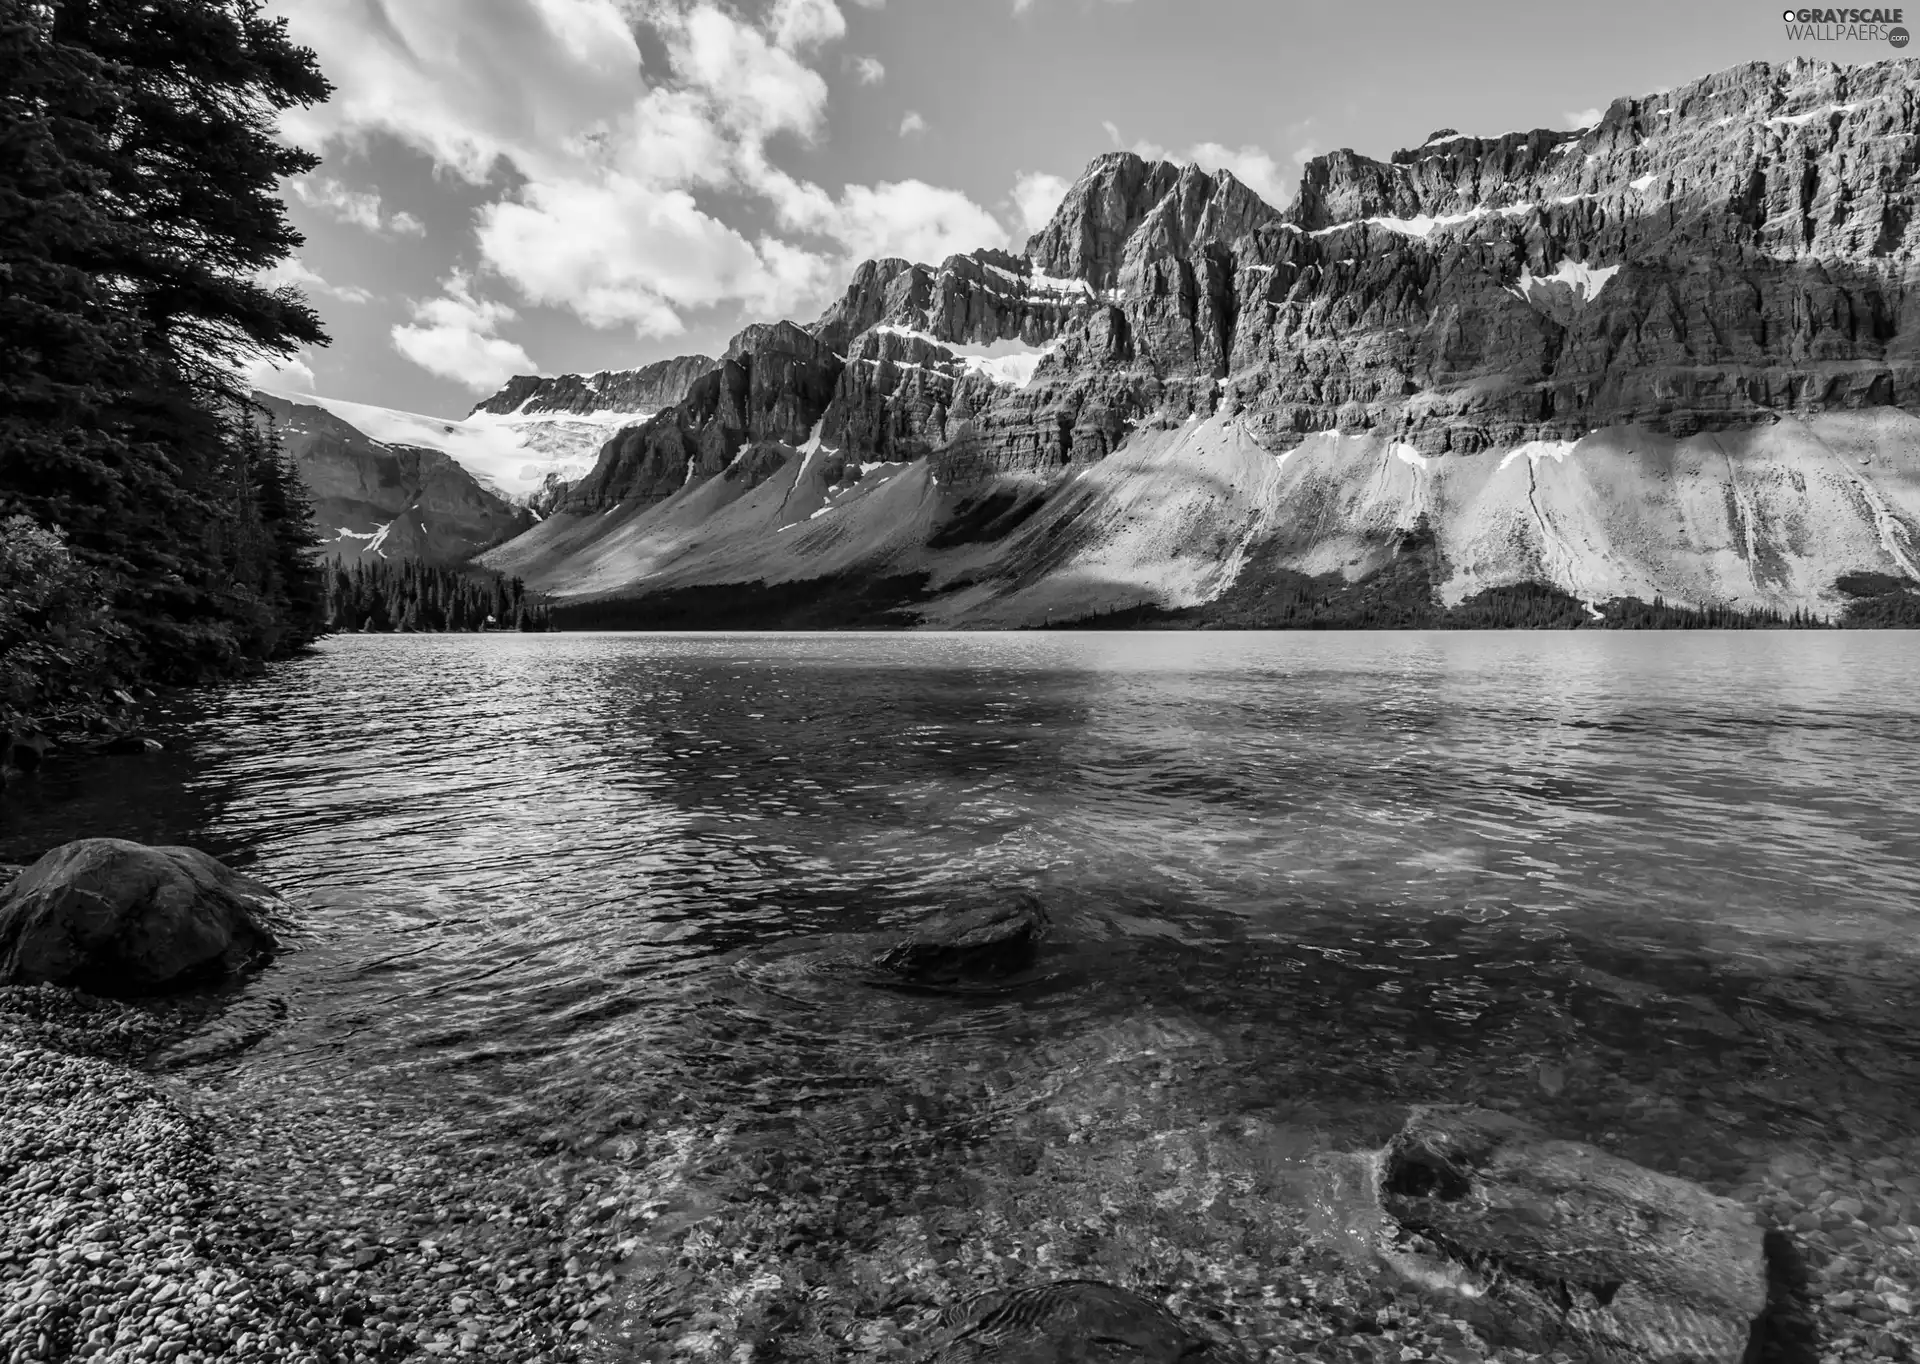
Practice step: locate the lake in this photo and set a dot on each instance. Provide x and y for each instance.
(1653, 891)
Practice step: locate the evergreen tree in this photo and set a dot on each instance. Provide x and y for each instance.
(287, 512)
(383, 595)
(138, 204)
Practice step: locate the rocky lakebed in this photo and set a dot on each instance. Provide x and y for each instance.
(151, 1211)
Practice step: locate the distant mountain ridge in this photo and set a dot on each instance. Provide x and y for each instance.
(374, 499)
(389, 483)
(643, 390)
(1672, 353)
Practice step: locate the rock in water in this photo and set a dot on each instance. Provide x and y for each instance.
(26, 752)
(1069, 1322)
(1564, 1241)
(990, 940)
(118, 918)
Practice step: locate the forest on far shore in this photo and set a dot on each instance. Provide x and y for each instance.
(407, 596)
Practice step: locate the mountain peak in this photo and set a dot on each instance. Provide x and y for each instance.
(1121, 192)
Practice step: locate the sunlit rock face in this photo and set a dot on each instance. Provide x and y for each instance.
(1670, 353)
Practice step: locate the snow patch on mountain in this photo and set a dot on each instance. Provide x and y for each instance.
(375, 538)
(1583, 281)
(1011, 363)
(1536, 450)
(1424, 224)
(511, 454)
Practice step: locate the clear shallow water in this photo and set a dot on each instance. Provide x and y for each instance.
(1654, 891)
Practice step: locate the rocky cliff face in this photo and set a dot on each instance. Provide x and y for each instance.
(388, 500)
(1665, 285)
(645, 390)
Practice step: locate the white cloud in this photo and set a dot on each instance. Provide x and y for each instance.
(912, 124)
(465, 93)
(756, 89)
(454, 336)
(624, 252)
(869, 70)
(1304, 153)
(619, 176)
(298, 274)
(913, 219)
(1250, 165)
(360, 207)
(1113, 130)
(1582, 118)
(797, 25)
(291, 375)
(1036, 195)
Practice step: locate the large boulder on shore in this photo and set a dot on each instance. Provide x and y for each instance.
(998, 938)
(1074, 1321)
(1563, 1242)
(118, 918)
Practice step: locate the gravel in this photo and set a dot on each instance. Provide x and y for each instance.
(321, 1216)
(144, 1218)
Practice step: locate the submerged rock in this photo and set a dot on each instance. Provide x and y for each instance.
(26, 752)
(1070, 1321)
(1562, 1241)
(118, 918)
(996, 939)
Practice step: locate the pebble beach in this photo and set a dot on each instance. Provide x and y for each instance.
(143, 1217)
(147, 1215)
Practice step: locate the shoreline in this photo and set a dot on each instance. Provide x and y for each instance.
(146, 1216)
(153, 1218)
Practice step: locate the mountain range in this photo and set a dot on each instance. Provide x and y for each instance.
(391, 484)
(1672, 353)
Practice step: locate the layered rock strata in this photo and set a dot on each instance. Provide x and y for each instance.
(1664, 285)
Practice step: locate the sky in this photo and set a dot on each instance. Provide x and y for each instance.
(554, 186)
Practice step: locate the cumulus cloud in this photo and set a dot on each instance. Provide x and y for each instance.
(797, 25)
(467, 94)
(290, 375)
(360, 207)
(1036, 195)
(621, 251)
(1582, 118)
(619, 205)
(1250, 165)
(754, 87)
(296, 273)
(913, 219)
(454, 336)
(1304, 153)
(868, 70)
(912, 124)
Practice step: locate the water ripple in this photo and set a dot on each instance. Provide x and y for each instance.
(552, 876)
